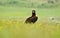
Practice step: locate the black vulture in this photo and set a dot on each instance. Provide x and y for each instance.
(33, 18)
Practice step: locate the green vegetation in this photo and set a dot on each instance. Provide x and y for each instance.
(13, 14)
(30, 3)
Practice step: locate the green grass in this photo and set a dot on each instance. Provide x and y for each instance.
(13, 16)
(26, 12)
(16, 28)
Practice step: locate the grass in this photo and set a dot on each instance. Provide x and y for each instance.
(18, 29)
(12, 23)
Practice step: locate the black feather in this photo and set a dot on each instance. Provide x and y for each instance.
(33, 18)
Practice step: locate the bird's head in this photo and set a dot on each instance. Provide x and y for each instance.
(33, 13)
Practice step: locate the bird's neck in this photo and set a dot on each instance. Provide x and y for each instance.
(33, 15)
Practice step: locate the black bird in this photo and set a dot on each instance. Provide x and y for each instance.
(33, 18)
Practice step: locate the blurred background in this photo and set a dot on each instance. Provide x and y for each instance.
(30, 3)
(13, 14)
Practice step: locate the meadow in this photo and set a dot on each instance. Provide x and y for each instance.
(12, 23)
(13, 14)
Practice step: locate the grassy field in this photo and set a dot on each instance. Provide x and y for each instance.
(12, 23)
(13, 14)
